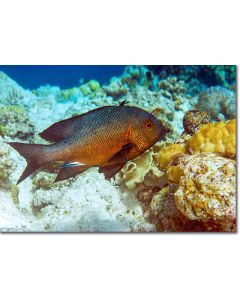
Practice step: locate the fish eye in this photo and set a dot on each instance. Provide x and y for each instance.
(148, 124)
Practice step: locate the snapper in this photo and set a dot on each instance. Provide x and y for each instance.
(107, 137)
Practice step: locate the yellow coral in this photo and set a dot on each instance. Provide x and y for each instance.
(207, 189)
(215, 138)
(166, 154)
(174, 174)
(218, 138)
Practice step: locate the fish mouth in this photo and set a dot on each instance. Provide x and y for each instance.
(164, 131)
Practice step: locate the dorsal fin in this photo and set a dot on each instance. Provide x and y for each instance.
(123, 102)
(59, 130)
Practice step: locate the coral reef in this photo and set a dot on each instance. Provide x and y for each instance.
(194, 191)
(167, 153)
(207, 188)
(140, 169)
(135, 171)
(14, 122)
(218, 102)
(201, 190)
(45, 180)
(116, 89)
(197, 78)
(203, 198)
(90, 89)
(6, 165)
(172, 88)
(164, 213)
(219, 137)
(193, 119)
(185, 183)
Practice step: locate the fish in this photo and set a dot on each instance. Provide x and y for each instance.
(106, 137)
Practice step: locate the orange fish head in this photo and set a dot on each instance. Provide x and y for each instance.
(148, 129)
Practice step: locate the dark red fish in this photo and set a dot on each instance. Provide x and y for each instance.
(107, 137)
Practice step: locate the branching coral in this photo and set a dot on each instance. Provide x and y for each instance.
(172, 87)
(90, 88)
(116, 89)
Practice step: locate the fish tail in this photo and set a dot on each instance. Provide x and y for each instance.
(35, 155)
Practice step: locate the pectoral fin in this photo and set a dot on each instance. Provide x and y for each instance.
(116, 163)
(120, 157)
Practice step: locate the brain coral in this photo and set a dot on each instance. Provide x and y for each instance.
(219, 137)
(207, 190)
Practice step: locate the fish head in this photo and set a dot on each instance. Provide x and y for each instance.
(149, 128)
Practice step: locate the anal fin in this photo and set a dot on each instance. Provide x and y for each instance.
(69, 172)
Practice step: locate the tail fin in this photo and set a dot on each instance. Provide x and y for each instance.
(35, 155)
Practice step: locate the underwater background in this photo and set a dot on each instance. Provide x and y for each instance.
(31, 77)
(185, 182)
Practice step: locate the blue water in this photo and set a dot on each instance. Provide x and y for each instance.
(32, 77)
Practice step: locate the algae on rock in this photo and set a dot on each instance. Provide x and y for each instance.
(14, 123)
(6, 166)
